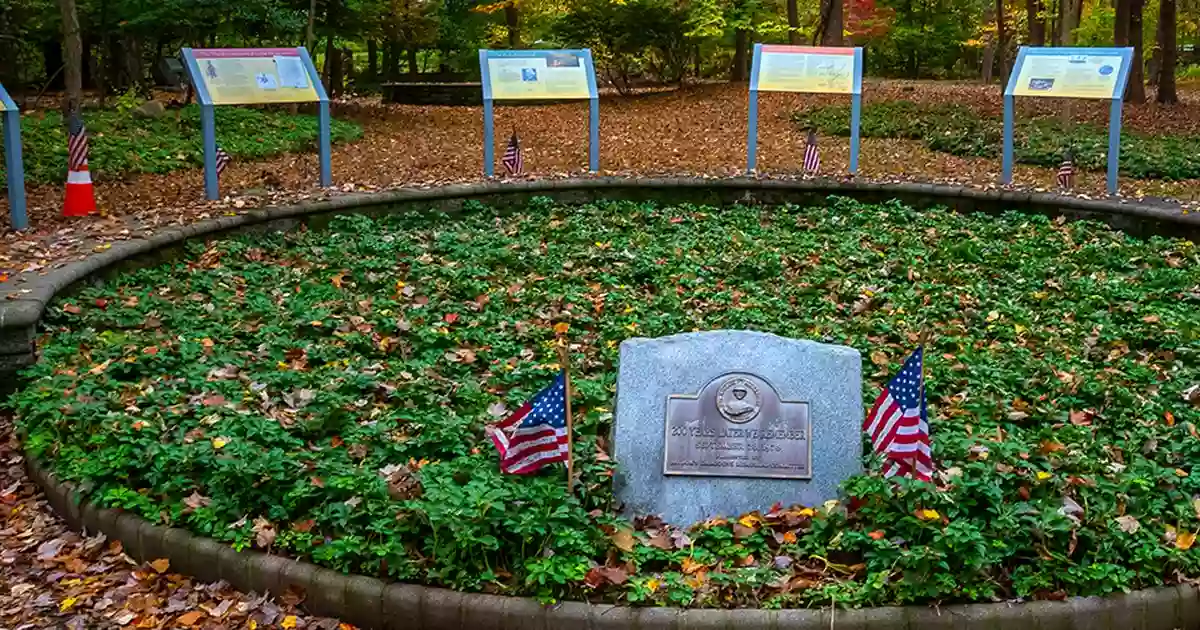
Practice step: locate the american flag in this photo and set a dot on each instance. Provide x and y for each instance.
(1066, 172)
(513, 160)
(77, 144)
(536, 434)
(812, 157)
(223, 160)
(898, 423)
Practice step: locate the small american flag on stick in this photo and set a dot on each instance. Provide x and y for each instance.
(1066, 172)
(223, 160)
(77, 144)
(898, 423)
(513, 160)
(536, 434)
(812, 157)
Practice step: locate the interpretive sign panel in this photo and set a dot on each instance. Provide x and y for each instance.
(1069, 76)
(737, 427)
(813, 69)
(254, 76)
(13, 164)
(556, 75)
(823, 70)
(1096, 73)
(538, 75)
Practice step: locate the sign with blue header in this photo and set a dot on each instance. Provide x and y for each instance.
(12, 161)
(1093, 73)
(254, 76)
(813, 69)
(538, 75)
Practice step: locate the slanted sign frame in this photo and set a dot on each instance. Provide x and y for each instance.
(1066, 73)
(12, 161)
(281, 75)
(568, 87)
(830, 78)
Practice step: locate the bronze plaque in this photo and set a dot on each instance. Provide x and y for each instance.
(738, 427)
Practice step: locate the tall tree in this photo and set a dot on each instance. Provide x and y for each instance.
(1167, 52)
(512, 20)
(1037, 22)
(1001, 45)
(310, 39)
(73, 62)
(793, 11)
(741, 57)
(831, 24)
(1072, 12)
(1135, 92)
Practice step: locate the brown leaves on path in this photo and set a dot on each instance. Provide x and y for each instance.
(697, 130)
(56, 578)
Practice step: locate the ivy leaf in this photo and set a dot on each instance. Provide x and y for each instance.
(1128, 524)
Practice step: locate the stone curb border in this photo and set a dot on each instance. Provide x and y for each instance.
(371, 603)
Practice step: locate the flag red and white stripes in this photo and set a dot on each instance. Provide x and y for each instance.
(223, 160)
(77, 144)
(898, 423)
(1066, 174)
(812, 156)
(537, 433)
(513, 160)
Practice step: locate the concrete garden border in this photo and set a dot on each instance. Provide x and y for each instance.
(371, 603)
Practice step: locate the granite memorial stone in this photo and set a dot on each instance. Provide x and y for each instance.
(725, 422)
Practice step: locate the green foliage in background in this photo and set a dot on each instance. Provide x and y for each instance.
(120, 145)
(959, 130)
(324, 394)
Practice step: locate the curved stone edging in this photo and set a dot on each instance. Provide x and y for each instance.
(371, 603)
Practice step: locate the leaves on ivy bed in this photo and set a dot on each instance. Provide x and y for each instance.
(309, 394)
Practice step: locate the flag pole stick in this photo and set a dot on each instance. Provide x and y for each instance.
(924, 343)
(562, 361)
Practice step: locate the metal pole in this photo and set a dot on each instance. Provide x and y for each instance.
(1114, 143)
(208, 129)
(1006, 178)
(16, 170)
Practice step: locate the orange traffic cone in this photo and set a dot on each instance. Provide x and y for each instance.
(81, 197)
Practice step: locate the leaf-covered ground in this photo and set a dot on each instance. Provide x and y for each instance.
(697, 130)
(324, 394)
(56, 578)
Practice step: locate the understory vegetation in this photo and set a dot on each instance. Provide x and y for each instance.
(121, 145)
(323, 394)
(959, 130)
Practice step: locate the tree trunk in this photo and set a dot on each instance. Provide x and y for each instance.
(413, 70)
(72, 59)
(1121, 23)
(512, 20)
(327, 69)
(1001, 45)
(310, 38)
(741, 40)
(372, 59)
(1167, 48)
(1037, 22)
(1071, 14)
(133, 61)
(1135, 92)
(834, 26)
(793, 11)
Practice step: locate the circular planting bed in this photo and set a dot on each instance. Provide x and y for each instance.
(323, 395)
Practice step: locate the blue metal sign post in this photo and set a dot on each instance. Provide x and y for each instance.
(255, 76)
(839, 71)
(1095, 73)
(538, 75)
(13, 163)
